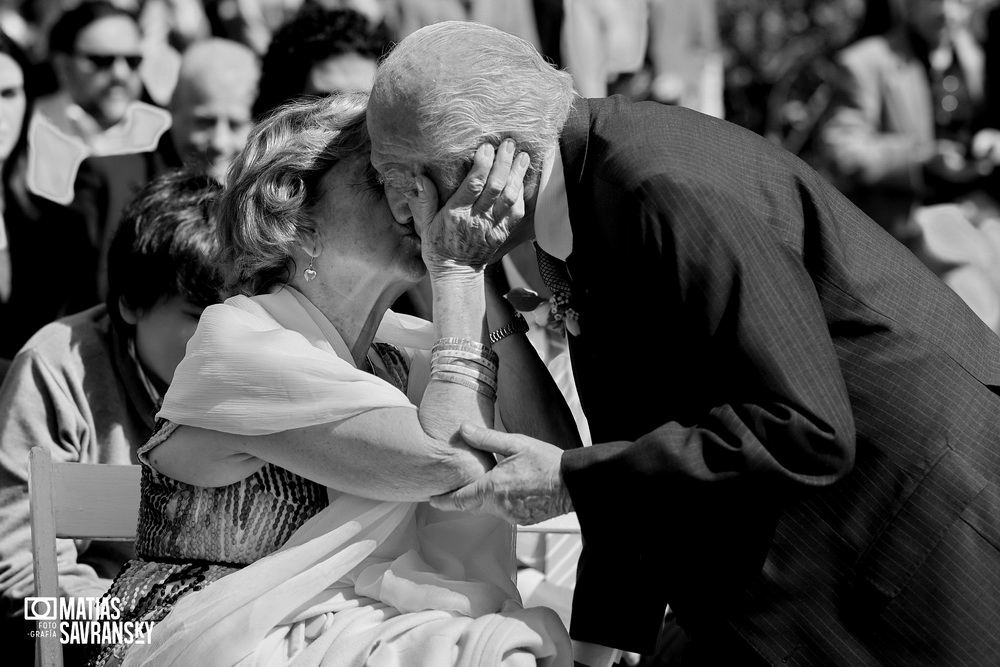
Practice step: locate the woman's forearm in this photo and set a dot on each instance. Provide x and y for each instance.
(459, 313)
(381, 454)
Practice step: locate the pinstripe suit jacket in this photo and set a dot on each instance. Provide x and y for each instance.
(800, 434)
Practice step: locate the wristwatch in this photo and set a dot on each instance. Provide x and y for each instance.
(516, 325)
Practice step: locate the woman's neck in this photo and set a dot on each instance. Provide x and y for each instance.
(355, 312)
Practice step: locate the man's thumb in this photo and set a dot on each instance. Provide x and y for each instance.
(486, 440)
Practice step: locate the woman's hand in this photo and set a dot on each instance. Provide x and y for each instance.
(468, 229)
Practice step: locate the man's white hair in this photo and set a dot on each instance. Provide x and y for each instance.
(467, 83)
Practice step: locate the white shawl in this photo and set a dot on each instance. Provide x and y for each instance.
(363, 582)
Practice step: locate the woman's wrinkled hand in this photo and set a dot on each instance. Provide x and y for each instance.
(476, 220)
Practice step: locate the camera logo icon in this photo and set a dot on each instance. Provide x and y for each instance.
(41, 609)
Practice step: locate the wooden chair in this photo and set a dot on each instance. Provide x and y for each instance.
(80, 501)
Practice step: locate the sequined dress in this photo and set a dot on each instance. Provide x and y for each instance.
(189, 536)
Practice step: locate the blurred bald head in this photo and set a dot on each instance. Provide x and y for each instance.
(450, 86)
(212, 102)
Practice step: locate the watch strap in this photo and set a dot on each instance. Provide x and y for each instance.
(515, 326)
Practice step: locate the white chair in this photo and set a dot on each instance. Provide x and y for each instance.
(551, 550)
(77, 501)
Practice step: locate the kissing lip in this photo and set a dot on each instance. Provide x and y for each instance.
(409, 226)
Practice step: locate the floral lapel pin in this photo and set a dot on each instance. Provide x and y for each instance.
(553, 313)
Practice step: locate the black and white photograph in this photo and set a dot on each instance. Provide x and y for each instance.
(500, 333)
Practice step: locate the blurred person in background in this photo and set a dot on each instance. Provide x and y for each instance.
(683, 60)
(514, 16)
(168, 27)
(993, 63)
(87, 386)
(375, 10)
(96, 52)
(42, 244)
(602, 39)
(212, 105)
(910, 127)
(211, 111)
(317, 52)
(685, 55)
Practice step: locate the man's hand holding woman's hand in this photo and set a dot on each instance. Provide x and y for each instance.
(476, 220)
(524, 488)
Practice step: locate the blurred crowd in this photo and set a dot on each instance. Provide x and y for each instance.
(888, 98)
(100, 97)
(896, 101)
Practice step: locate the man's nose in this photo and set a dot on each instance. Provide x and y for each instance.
(121, 70)
(222, 137)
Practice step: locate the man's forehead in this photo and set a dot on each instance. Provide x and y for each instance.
(112, 33)
(393, 140)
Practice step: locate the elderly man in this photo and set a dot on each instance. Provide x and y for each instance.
(211, 110)
(211, 105)
(795, 423)
(96, 53)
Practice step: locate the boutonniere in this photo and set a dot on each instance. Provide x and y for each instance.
(553, 313)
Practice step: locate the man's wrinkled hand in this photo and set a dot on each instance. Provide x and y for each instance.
(479, 217)
(524, 488)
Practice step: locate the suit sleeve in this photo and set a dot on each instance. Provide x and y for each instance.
(691, 499)
(38, 410)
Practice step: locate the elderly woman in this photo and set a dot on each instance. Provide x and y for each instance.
(283, 508)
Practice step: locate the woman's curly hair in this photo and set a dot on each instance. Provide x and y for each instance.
(266, 210)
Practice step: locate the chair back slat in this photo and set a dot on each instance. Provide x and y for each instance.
(74, 500)
(98, 502)
(565, 524)
(43, 529)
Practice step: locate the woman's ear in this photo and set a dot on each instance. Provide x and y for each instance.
(311, 243)
(130, 315)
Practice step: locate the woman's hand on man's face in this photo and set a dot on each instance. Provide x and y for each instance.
(477, 219)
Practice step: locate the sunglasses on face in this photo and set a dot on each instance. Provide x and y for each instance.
(101, 61)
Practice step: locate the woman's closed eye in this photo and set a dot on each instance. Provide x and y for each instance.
(371, 184)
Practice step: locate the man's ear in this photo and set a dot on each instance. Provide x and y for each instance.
(130, 315)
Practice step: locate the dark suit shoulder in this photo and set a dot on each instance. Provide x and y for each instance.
(633, 142)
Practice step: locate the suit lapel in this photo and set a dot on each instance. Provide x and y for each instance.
(573, 144)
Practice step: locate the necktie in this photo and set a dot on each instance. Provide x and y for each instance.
(563, 317)
(554, 274)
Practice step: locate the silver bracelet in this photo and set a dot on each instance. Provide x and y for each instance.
(469, 383)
